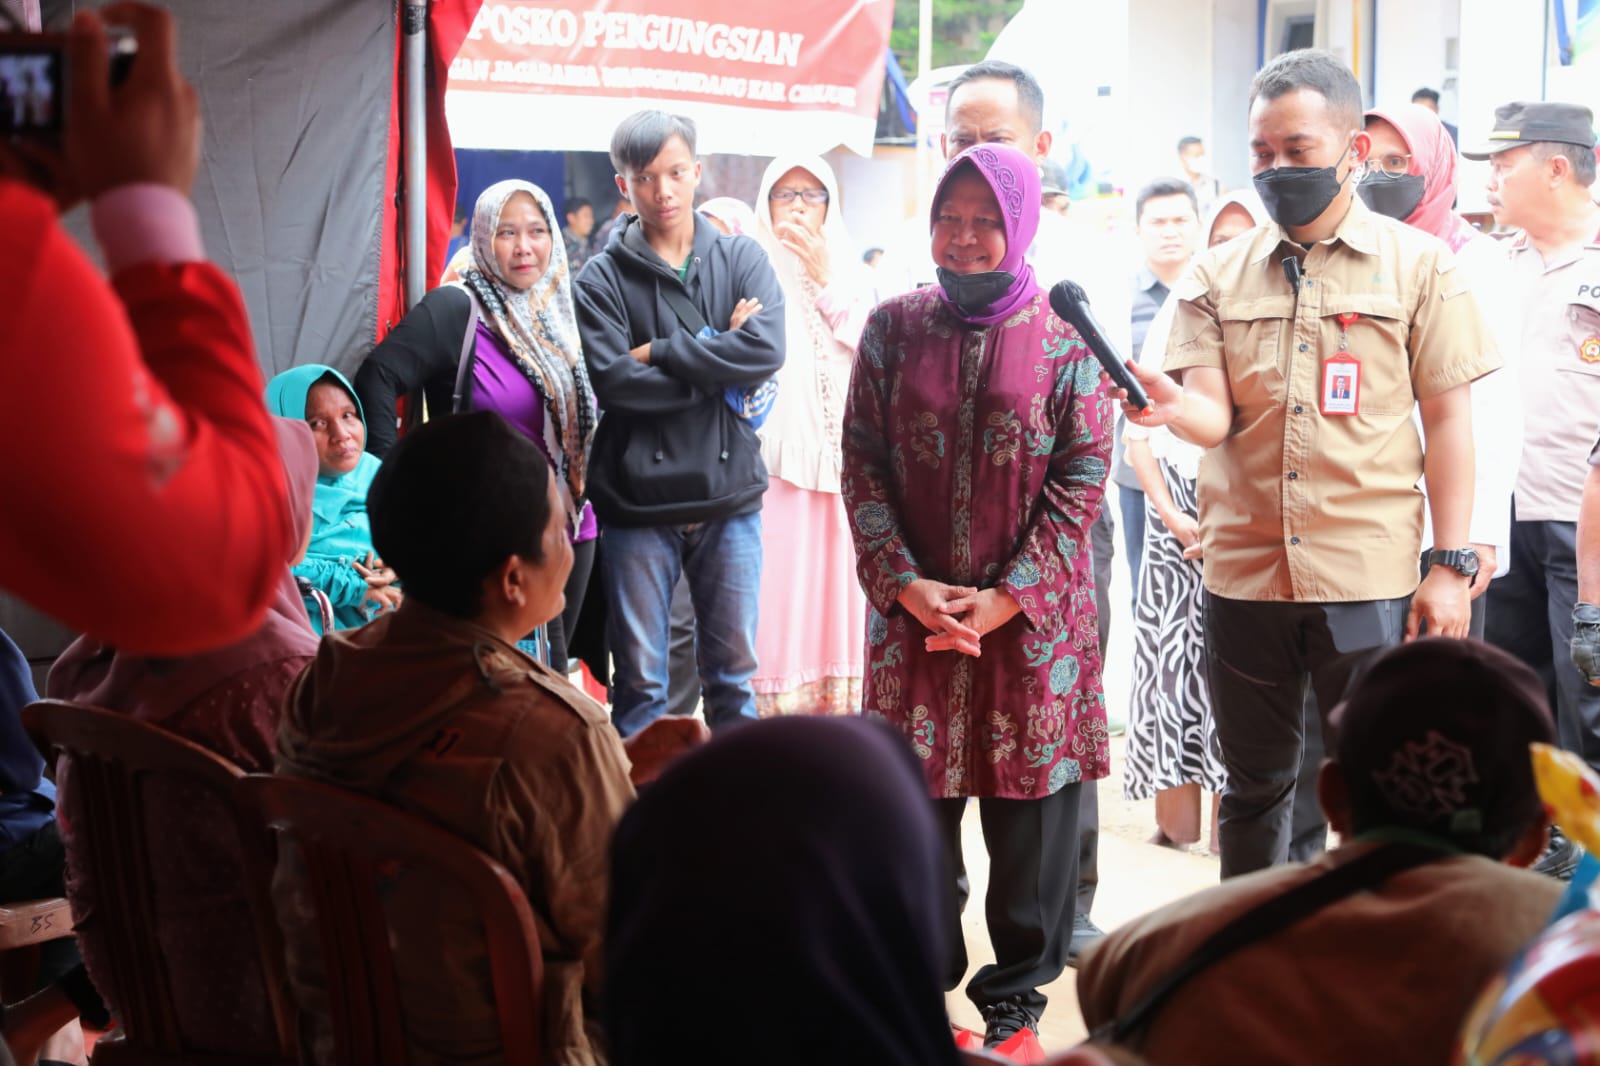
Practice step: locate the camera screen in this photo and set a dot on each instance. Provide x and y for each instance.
(30, 90)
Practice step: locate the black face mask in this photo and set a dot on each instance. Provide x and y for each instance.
(974, 293)
(1393, 195)
(1296, 196)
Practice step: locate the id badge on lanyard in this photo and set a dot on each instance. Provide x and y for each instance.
(1341, 374)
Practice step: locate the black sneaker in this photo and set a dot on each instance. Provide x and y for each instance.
(1560, 857)
(1004, 1020)
(1085, 935)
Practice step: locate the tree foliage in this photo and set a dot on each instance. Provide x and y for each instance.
(963, 30)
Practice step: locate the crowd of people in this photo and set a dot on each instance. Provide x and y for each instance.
(728, 460)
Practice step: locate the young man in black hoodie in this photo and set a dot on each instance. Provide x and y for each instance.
(677, 322)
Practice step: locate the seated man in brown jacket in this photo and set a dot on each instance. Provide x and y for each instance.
(1431, 751)
(433, 709)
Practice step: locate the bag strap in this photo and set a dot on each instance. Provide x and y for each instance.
(1273, 916)
(676, 295)
(687, 313)
(464, 364)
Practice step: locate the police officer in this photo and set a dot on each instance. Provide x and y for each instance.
(1542, 163)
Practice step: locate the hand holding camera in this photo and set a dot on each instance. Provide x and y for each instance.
(126, 115)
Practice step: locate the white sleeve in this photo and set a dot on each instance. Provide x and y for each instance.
(1152, 355)
(1497, 417)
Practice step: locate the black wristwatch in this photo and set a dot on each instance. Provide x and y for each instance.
(1463, 561)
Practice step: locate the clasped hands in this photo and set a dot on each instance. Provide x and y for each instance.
(382, 592)
(957, 616)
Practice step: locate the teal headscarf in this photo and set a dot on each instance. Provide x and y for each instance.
(340, 531)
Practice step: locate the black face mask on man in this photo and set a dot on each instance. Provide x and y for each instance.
(1395, 195)
(973, 293)
(1296, 196)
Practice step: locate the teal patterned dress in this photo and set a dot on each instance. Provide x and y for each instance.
(977, 456)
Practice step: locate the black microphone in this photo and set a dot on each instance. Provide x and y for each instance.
(1291, 272)
(1071, 305)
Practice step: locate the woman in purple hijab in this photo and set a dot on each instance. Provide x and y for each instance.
(974, 463)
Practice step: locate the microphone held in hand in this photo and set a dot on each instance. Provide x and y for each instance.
(1071, 305)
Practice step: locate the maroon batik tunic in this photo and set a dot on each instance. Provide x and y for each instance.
(977, 456)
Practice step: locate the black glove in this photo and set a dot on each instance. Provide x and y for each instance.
(1586, 641)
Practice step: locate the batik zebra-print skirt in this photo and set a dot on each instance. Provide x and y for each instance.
(1171, 738)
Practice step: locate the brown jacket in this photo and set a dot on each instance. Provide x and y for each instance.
(1382, 977)
(443, 719)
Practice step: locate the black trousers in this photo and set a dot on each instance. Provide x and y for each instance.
(1530, 616)
(1033, 874)
(1102, 549)
(1309, 836)
(1260, 657)
(566, 622)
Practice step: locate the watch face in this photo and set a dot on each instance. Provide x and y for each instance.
(1463, 561)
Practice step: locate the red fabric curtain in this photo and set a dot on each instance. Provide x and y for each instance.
(448, 24)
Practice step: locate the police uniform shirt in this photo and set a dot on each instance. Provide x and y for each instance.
(1560, 377)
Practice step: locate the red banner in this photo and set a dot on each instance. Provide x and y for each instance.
(758, 78)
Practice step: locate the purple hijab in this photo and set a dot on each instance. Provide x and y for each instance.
(1014, 179)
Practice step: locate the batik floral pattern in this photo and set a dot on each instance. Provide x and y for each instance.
(978, 456)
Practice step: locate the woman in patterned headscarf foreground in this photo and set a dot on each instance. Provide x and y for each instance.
(503, 337)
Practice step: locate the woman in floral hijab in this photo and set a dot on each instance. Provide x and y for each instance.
(503, 337)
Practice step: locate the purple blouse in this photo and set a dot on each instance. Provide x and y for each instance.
(497, 385)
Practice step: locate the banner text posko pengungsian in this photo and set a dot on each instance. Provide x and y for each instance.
(512, 24)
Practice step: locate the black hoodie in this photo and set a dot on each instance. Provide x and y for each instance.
(669, 449)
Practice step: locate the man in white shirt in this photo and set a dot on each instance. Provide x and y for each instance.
(1195, 168)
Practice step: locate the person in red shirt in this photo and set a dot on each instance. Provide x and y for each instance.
(145, 501)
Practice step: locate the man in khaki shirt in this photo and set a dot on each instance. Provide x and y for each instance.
(1541, 165)
(1303, 347)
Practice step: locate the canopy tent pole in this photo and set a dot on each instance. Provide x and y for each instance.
(924, 65)
(414, 58)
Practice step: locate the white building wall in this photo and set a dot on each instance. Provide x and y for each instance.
(1502, 59)
(1169, 85)
(1233, 65)
(1414, 47)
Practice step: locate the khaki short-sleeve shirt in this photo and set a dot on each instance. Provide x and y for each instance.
(1560, 378)
(1297, 505)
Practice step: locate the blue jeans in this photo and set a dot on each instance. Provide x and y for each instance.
(638, 568)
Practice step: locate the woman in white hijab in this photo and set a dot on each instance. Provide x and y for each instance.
(811, 639)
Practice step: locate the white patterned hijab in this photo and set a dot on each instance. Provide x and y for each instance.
(540, 329)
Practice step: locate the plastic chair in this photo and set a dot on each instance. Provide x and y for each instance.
(23, 927)
(111, 755)
(348, 843)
